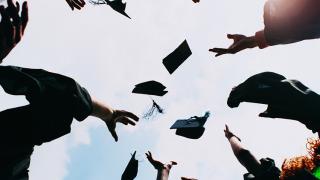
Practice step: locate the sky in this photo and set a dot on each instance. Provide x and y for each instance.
(108, 54)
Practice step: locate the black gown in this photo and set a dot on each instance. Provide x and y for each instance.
(54, 100)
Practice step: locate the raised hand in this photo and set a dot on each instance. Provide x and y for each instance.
(78, 4)
(156, 164)
(240, 42)
(12, 26)
(228, 134)
(120, 116)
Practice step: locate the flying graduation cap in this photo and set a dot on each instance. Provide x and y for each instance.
(131, 170)
(116, 5)
(191, 128)
(150, 88)
(177, 57)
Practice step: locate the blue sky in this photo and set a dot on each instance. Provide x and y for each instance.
(108, 54)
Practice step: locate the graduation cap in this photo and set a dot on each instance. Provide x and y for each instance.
(131, 170)
(116, 5)
(191, 128)
(150, 88)
(177, 57)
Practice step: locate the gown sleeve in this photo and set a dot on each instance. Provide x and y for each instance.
(54, 101)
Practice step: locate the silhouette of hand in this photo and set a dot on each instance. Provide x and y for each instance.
(229, 134)
(78, 4)
(156, 164)
(12, 26)
(159, 165)
(196, 1)
(121, 116)
(240, 42)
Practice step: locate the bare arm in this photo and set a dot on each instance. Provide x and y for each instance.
(243, 155)
(111, 116)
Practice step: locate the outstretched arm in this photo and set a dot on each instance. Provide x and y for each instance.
(12, 26)
(243, 155)
(163, 169)
(111, 116)
(240, 42)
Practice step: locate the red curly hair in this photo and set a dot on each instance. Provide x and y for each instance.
(309, 162)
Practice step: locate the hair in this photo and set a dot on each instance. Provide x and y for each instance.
(292, 166)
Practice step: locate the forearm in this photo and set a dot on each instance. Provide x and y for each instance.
(101, 110)
(163, 174)
(244, 156)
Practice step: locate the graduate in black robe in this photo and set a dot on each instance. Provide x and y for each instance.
(54, 101)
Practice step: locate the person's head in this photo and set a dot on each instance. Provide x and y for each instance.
(301, 167)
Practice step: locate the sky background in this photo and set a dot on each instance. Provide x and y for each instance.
(108, 54)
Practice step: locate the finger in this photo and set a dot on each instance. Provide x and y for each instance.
(129, 114)
(174, 163)
(24, 16)
(219, 50)
(227, 128)
(234, 36)
(79, 3)
(124, 120)
(83, 2)
(219, 54)
(18, 6)
(70, 4)
(114, 134)
(75, 5)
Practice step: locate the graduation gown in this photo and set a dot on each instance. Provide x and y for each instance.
(54, 100)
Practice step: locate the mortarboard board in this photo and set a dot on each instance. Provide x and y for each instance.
(150, 88)
(191, 128)
(131, 170)
(177, 57)
(118, 6)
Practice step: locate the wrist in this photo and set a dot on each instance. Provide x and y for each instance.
(261, 39)
(101, 111)
(252, 42)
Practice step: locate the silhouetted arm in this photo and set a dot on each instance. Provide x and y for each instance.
(163, 170)
(12, 26)
(111, 116)
(243, 155)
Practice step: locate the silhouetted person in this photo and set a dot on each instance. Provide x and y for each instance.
(131, 170)
(163, 169)
(288, 99)
(297, 168)
(54, 100)
(12, 26)
(286, 21)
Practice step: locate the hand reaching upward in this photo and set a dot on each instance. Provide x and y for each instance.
(240, 42)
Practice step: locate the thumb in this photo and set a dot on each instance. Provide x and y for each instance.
(113, 133)
(266, 114)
